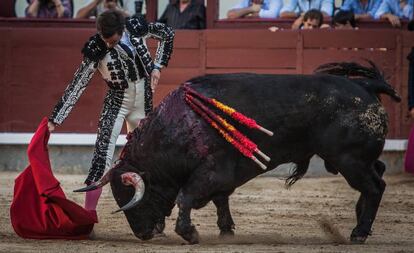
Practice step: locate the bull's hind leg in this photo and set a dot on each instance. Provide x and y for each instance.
(366, 180)
(380, 169)
(224, 220)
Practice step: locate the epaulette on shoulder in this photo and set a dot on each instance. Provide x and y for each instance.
(137, 25)
(95, 49)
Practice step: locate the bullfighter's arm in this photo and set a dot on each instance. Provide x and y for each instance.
(93, 51)
(165, 35)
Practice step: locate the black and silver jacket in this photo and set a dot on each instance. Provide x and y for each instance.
(116, 68)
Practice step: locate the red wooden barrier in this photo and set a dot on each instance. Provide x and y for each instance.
(37, 63)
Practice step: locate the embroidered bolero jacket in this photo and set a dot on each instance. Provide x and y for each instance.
(115, 66)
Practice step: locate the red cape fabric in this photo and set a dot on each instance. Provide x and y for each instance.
(40, 209)
(409, 154)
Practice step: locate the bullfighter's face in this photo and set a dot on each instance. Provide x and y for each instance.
(142, 217)
(113, 40)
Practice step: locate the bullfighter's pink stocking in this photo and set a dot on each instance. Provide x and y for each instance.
(91, 199)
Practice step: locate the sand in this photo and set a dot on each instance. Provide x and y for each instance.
(315, 215)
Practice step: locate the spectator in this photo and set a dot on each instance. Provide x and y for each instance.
(49, 9)
(185, 14)
(393, 10)
(256, 9)
(297, 8)
(344, 20)
(363, 9)
(312, 19)
(96, 7)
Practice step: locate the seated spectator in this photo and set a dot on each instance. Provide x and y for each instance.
(256, 9)
(297, 8)
(95, 7)
(393, 10)
(185, 14)
(344, 20)
(49, 9)
(363, 9)
(312, 19)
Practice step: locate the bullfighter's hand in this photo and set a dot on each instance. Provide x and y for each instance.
(155, 77)
(51, 126)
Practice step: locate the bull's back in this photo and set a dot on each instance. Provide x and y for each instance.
(293, 100)
(297, 108)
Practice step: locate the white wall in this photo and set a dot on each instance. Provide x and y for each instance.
(162, 4)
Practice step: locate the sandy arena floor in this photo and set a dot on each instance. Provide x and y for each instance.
(268, 218)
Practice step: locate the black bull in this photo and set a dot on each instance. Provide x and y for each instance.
(183, 160)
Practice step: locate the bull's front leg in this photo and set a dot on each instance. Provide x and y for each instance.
(183, 227)
(224, 220)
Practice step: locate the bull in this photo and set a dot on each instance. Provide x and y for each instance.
(176, 157)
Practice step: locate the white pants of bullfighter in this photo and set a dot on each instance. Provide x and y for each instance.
(119, 106)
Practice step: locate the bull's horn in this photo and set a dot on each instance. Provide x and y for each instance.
(90, 187)
(98, 184)
(131, 178)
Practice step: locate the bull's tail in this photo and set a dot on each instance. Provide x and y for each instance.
(370, 78)
(298, 172)
(378, 87)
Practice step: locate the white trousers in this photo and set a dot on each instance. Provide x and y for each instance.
(119, 106)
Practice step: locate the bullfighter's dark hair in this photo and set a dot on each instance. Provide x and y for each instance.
(343, 17)
(110, 22)
(314, 14)
(359, 73)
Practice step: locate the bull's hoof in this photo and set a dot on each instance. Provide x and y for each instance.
(144, 237)
(195, 238)
(160, 235)
(159, 228)
(189, 234)
(227, 233)
(358, 239)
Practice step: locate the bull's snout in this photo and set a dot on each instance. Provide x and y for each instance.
(144, 236)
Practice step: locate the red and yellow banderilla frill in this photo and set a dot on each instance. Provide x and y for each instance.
(228, 131)
(249, 122)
